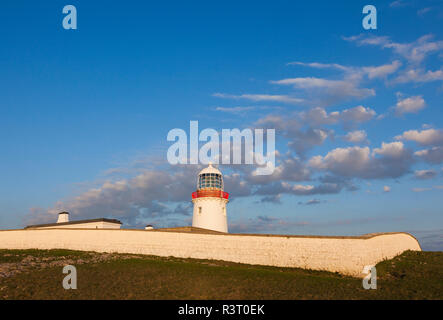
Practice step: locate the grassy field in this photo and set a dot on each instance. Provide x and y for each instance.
(37, 274)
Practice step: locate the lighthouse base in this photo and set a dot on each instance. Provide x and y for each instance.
(210, 213)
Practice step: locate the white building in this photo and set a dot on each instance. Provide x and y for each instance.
(63, 222)
(210, 201)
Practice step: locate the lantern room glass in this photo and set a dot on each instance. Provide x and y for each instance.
(210, 181)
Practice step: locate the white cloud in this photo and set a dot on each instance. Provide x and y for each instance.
(414, 52)
(290, 169)
(309, 83)
(410, 105)
(262, 97)
(393, 149)
(304, 130)
(299, 189)
(357, 136)
(425, 174)
(280, 123)
(371, 72)
(318, 116)
(357, 114)
(424, 137)
(433, 155)
(319, 65)
(303, 140)
(421, 189)
(391, 160)
(340, 159)
(300, 139)
(235, 110)
(398, 4)
(142, 197)
(419, 75)
(331, 91)
(324, 92)
(423, 11)
(382, 71)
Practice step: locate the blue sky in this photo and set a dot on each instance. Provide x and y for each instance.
(85, 113)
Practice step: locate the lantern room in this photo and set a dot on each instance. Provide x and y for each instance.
(210, 184)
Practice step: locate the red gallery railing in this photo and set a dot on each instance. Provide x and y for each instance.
(210, 193)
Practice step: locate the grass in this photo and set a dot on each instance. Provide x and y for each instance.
(37, 274)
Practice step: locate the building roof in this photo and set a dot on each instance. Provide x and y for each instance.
(73, 222)
(210, 169)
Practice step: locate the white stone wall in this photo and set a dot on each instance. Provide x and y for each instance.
(337, 254)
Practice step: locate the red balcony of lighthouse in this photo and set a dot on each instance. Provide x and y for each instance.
(210, 193)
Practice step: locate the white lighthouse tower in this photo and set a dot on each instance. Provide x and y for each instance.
(210, 201)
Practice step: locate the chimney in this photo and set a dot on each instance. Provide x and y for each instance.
(63, 217)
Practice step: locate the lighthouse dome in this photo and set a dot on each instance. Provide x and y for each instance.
(210, 169)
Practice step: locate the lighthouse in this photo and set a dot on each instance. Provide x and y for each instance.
(210, 201)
